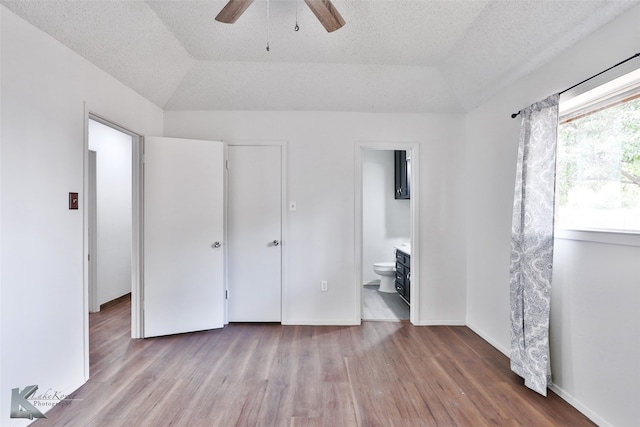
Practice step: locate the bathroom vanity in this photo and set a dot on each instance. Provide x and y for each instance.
(403, 274)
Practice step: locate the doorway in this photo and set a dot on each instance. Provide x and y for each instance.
(386, 221)
(125, 225)
(110, 214)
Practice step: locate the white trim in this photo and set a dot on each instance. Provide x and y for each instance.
(597, 419)
(85, 243)
(137, 228)
(225, 232)
(600, 236)
(284, 217)
(414, 219)
(602, 79)
(92, 227)
(441, 323)
(553, 387)
(487, 338)
(323, 322)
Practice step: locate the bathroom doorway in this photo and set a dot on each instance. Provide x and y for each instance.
(386, 221)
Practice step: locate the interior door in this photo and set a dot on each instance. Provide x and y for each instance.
(255, 228)
(183, 286)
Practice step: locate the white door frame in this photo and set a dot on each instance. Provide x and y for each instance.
(413, 148)
(92, 226)
(136, 253)
(283, 221)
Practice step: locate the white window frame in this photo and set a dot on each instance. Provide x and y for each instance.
(612, 85)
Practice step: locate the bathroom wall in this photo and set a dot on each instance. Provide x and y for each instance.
(385, 220)
(114, 232)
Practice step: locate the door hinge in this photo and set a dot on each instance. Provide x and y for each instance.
(226, 164)
(226, 294)
(88, 257)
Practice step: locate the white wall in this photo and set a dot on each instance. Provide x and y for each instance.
(114, 218)
(44, 86)
(463, 241)
(385, 220)
(595, 328)
(321, 165)
(595, 314)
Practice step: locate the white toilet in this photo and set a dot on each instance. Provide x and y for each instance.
(387, 272)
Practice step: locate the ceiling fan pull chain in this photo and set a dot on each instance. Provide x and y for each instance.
(268, 25)
(296, 28)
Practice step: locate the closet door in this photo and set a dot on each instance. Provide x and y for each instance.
(255, 230)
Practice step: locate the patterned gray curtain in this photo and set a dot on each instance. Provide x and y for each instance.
(532, 244)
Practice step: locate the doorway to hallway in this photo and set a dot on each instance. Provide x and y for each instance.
(110, 214)
(111, 220)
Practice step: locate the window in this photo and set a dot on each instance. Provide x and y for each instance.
(598, 163)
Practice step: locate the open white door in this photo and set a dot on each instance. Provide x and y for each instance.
(183, 229)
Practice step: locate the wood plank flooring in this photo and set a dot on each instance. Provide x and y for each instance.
(377, 374)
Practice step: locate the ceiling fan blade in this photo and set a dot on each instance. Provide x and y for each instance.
(232, 11)
(326, 13)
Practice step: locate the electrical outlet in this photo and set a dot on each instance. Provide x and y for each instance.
(323, 286)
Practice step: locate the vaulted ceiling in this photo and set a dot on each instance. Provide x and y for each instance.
(391, 56)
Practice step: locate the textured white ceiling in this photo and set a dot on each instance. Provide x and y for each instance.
(391, 56)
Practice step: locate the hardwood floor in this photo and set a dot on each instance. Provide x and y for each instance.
(377, 374)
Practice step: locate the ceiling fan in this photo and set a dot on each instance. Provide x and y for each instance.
(324, 10)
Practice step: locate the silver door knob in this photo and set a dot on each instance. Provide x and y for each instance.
(216, 245)
(275, 243)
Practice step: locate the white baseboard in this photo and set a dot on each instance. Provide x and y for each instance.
(323, 322)
(557, 390)
(579, 406)
(441, 323)
(491, 341)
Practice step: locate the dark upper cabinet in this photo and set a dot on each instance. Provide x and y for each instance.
(402, 173)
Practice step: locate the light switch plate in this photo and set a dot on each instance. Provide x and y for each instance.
(73, 201)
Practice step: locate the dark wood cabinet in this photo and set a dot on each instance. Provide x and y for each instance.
(403, 275)
(402, 175)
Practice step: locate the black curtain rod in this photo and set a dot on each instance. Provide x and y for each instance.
(514, 115)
